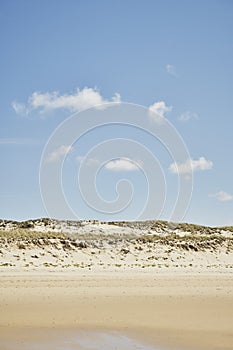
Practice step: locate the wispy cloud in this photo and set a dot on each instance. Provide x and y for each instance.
(191, 165)
(186, 116)
(59, 153)
(123, 164)
(20, 108)
(171, 70)
(74, 102)
(222, 196)
(18, 141)
(158, 110)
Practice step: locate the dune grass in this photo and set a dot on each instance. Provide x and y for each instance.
(25, 234)
(187, 237)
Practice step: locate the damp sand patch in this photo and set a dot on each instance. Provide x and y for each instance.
(73, 340)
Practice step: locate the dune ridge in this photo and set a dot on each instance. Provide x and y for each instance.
(91, 245)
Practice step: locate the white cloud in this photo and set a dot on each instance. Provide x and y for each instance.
(157, 111)
(79, 100)
(59, 153)
(88, 161)
(123, 164)
(222, 196)
(186, 116)
(191, 165)
(171, 70)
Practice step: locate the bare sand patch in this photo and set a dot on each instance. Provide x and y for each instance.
(172, 311)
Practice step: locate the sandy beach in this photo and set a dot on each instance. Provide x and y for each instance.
(163, 310)
(140, 283)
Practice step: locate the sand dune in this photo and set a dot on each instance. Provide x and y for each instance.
(53, 245)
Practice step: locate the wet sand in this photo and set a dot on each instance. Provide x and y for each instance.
(170, 311)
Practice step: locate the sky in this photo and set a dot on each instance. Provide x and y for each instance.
(164, 65)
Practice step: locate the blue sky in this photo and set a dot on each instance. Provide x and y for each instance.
(173, 57)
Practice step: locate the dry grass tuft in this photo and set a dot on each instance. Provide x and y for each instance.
(25, 234)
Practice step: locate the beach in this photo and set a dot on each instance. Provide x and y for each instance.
(91, 285)
(162, 310)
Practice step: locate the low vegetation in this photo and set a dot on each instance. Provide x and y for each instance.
(26, 234)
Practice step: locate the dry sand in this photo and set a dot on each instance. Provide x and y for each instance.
(164, 310)
(169, 287)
